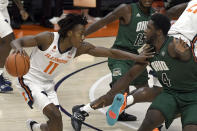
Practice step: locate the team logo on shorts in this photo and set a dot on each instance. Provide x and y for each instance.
(116, 72)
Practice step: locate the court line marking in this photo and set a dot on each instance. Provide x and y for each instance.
(57, 85)
(92, 98)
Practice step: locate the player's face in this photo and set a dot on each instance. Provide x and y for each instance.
(146, 3)
(78, 35)
(150, 33)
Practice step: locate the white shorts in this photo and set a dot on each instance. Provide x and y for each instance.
(5, 28)
(37, 94)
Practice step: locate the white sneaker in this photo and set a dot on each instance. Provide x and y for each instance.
(54, 20)
(30, 124)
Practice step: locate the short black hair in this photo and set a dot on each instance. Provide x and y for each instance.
(69, 22)
(161, 22)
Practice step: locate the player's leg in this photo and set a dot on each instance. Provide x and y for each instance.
(164, 107)
(188, 114)
(54, 122)
(52, 112)
(153, 119)
(190, 128)
(144, 94)
(7, 35)
(118, 68)
(147, 93)
(45, 100)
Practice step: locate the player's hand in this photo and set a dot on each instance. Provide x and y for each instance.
(100, 102)
(24, 14)
(180, 45)
(147, 53)
(21, 51)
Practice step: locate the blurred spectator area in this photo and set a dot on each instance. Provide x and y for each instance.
(33, 7)
(103, 6)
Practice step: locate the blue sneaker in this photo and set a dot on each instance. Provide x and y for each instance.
(5, 80)
(5, 88)
(114, 111)
(5, 85)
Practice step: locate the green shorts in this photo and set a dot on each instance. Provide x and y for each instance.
(119, 67)
(170, 104)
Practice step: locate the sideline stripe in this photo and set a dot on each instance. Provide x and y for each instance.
(66, 77)
(92, 98)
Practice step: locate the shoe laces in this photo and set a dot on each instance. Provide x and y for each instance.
(3, 78)
(80, 115)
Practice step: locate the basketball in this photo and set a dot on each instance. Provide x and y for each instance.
(17, 65)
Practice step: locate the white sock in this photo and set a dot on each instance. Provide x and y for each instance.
(1, 71)
(36, 127)
(130, 100)
(87, 108)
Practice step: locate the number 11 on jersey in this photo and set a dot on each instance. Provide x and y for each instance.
(51, 64)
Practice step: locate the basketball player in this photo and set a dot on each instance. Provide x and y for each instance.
(176, 71)
(184, 29)
(52, 51)
(6, 36)
(133, 19)
(143, 94)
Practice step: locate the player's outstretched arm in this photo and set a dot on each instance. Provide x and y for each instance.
(42, 40)
(90, 49)
(120, 12)
(121, 85)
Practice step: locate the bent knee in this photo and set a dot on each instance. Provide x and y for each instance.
(52, 112)
(190, 128)
(153, 118)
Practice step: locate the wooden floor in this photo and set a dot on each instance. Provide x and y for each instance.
(80, 88)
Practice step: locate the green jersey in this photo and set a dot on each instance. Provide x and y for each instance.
(173, 74)
(131, 36)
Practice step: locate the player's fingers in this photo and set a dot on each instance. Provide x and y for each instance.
(149, 53)
(14, 51)
(149, 56)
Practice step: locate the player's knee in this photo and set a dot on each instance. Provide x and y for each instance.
(149, 121)
(56, 115)
(153, 119)
(190, 128)
(144, 91)
(52, 112)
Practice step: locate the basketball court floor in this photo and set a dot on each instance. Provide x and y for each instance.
(83, 80)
